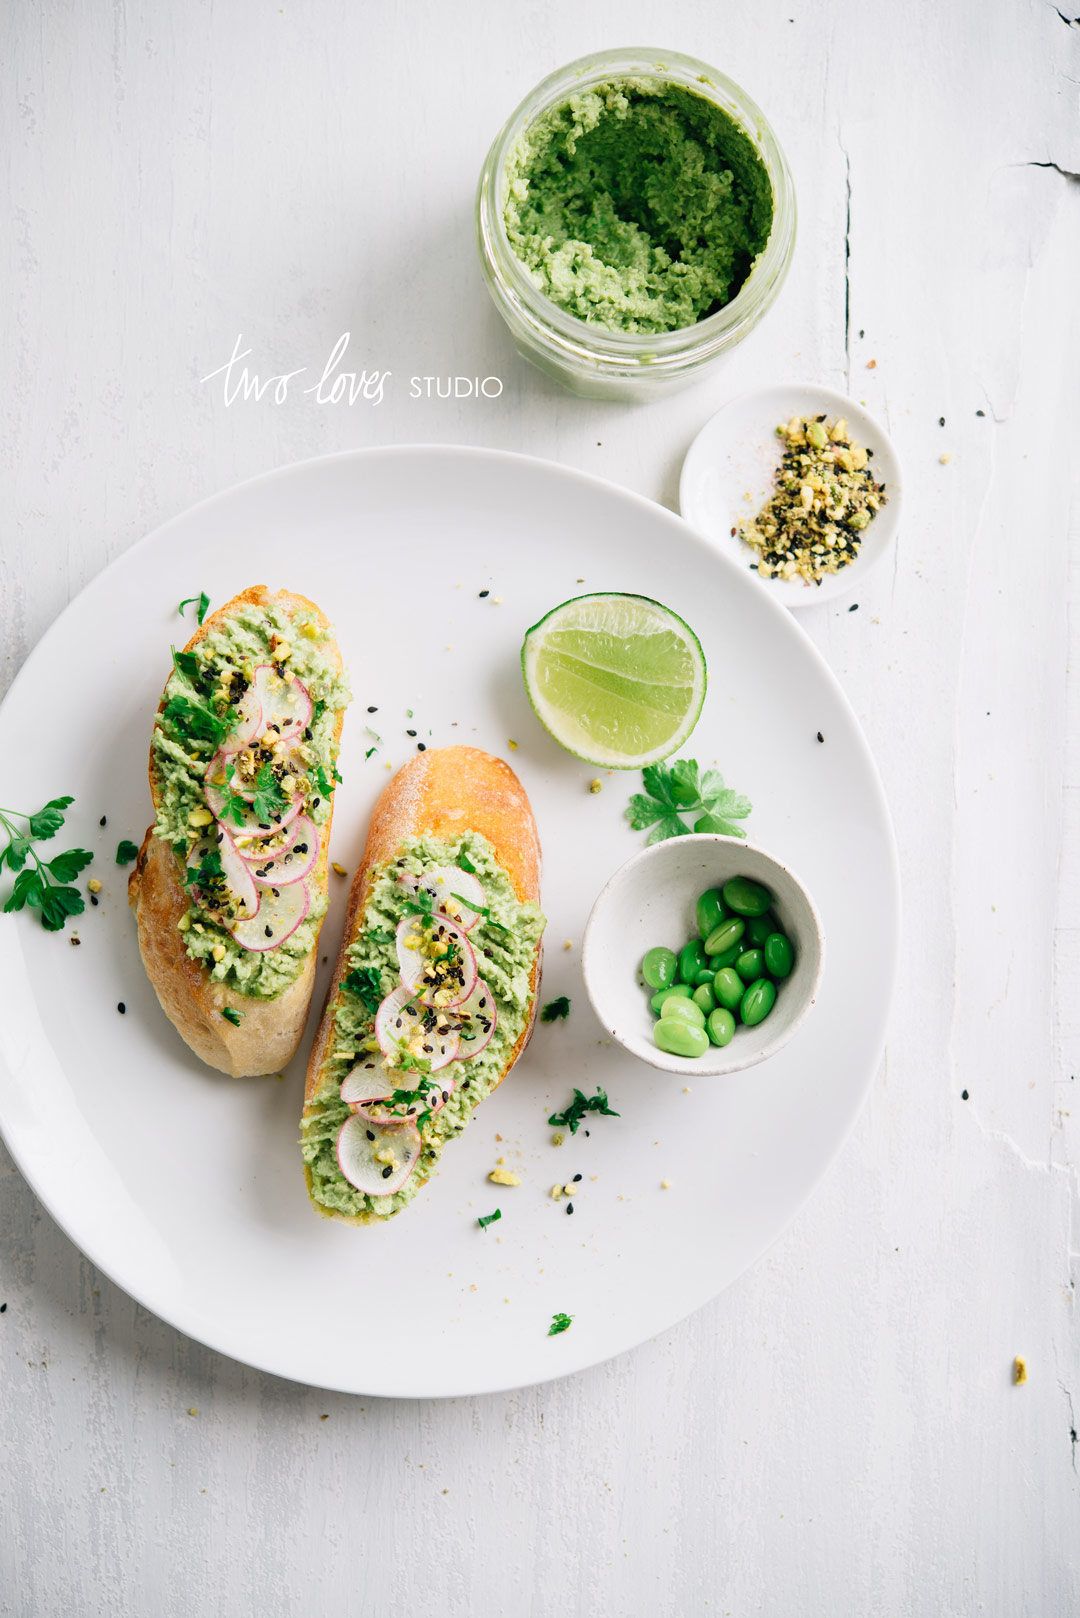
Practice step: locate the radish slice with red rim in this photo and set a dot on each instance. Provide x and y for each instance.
(369, 1080)
(221, 779)
(436, 960)
(257, 850)
(377, 1158)
(477, 1018)
(286, 705)
(280, 912)
(457, 893)
(233, 895)
(294, 863)
(247, 719)
(403, 1022)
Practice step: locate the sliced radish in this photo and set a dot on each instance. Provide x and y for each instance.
(286, 706)
(451, 888)
(477, 1017)
(257, 850)
(436, 959)
(247, 719)
(278, 871)
(235, 896)
(376, 1158)
(369, 1080)
(403, 1021)
(280, 912)
(221, 778)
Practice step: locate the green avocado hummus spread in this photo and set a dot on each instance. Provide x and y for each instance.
(197, 725)
(505, 941)
(637, 205)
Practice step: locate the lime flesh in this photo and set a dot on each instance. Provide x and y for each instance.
(618, 680)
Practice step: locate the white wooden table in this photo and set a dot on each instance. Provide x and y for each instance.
(839, 1433)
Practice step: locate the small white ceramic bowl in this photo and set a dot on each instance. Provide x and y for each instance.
(729, 472)
(652, 900)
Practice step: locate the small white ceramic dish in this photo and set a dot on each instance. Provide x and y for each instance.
(729, 469)
(651, 900)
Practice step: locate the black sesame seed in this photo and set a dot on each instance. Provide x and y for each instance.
(978, 413)
(421, 748)
(569, 1207)
(410, 733)
(373, 710)
(387, 1171)
(3, 1308)
(820, 737)
(93, 899)
(854, 607)
(121, 1008)
(370, 1133)
(941, 421)
(576, 1178)
(101, 822)
(268, 932)
(446, 1095)
(484, 593)
(963, 1095)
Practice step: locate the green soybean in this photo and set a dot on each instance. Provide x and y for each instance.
(779, 955)
(721, 938)
(711, 911)
(759, 929)
(751, 965)
(728, 987)
(703, 996)
(757, 1002)
(691, 961)
(658, 967)
(680, 990)
(680, 1038)
(706, 974)
(720, 1026)
(746, 898)
(727, 957)
(682, 1011)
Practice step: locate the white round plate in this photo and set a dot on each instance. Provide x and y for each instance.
(729, 470)
(185, 1187)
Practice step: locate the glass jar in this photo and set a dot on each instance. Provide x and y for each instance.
(595, 360)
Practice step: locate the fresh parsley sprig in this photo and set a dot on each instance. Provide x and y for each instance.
(366, 983)
(556, 1009)
(270, 798)
(582, 1104)
(43, 886)
(202, 601)
(684, 789)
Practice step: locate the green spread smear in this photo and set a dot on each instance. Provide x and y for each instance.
(506, 953)
(637, 205)
(185, 742)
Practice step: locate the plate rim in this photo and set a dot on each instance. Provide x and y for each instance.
(710, 555)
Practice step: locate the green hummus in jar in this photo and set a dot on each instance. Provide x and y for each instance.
(638, 205)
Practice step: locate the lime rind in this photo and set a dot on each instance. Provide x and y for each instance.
(618, 680)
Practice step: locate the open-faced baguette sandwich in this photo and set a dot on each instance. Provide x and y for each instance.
(434, 995)
(229, 890)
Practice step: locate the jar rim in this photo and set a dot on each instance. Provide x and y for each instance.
(581, 338)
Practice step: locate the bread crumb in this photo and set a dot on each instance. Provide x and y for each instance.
(665, 1185)
(945, 459)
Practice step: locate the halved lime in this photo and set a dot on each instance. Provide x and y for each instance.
(617, 679)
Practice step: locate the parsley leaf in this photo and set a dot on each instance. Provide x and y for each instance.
(233, 806)
(559, 1323)
(203, 601)
(682, 788)
(466, 863)
(195, 721)
(484, 1220)
(126, 851)
(366, 983)
(580, 1105)
(269, 799)
(186, 663)
(555, 1009)
(42, 886)
(207, 872)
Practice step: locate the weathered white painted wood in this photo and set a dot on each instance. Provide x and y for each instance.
(838, 1433)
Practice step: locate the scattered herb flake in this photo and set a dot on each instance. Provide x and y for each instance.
(202, 600)
(185, 663)
(366, 984)
(559, 1323)
(577, 1109)
(231, 1014)
(126, 851)
(269, 799)
(466, 863)
(556, 1009)
(485, 1220)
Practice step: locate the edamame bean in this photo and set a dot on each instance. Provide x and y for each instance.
(757, 1002)
(680, 1038)
(728, 987)
(703, 996)
(746, 898)
(727, 957)
(658, 967)
(721, 938)
(779, 955)
(680, 990)
(751, 965)
(711, 911)
(682, 1011)
(691, 961)
(720, 1026)
(706, 974)
(759, 928)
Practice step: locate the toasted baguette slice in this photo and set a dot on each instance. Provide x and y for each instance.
(268, 1031)
(439, 794)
